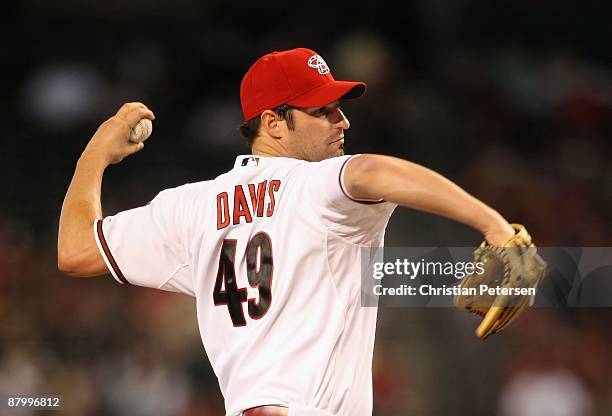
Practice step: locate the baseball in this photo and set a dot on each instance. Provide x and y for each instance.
(141, 131)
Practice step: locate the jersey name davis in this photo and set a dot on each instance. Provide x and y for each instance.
(262, 198)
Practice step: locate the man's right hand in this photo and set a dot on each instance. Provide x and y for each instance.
(111, 142)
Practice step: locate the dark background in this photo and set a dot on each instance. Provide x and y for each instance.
(512, 100)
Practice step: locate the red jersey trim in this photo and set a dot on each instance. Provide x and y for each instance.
(107, 253)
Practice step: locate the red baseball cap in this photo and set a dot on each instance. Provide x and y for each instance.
(297, 77)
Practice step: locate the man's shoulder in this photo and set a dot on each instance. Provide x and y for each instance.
(325, 167)
(249, 167)
(317, 166)
(186, 190)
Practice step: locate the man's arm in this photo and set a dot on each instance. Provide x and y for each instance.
(77, 252)
(410, 185)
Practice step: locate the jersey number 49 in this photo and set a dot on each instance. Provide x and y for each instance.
(259, 268)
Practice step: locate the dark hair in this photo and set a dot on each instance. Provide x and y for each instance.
(250, 129)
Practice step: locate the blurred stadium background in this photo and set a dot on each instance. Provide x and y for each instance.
(511, 99)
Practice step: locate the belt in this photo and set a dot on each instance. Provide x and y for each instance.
(266, 411)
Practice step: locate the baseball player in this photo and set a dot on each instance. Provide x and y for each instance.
(270, 249)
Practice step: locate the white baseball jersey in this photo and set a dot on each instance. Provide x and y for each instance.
(271, 252)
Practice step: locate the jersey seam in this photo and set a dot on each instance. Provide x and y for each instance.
(331, 273)
(185, 246)
(183, 249)
(345, 303)
(365, 243)
(182, 266)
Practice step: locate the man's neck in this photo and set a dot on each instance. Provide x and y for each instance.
(268, 148)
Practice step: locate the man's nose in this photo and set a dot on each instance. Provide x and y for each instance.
(342, 121)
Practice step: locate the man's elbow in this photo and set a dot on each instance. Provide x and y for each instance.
(79, 257)
(83, 262)
(68, 264)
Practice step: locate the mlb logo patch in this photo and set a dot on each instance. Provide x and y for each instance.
(250, 161)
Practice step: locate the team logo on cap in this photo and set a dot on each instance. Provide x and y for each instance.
(319, 64)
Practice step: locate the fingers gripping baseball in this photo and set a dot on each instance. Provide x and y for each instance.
(132, 113)
(111, 142)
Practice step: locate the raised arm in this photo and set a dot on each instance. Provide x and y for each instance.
(77, 253)
(411, 185)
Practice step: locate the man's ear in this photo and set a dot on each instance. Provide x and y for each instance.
(270, 123)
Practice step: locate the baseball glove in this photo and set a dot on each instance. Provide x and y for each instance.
(510, 278)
